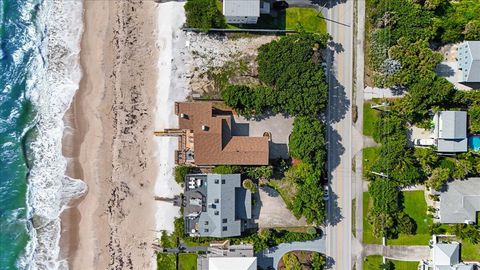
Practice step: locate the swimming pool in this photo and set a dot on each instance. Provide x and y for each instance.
(474, 142)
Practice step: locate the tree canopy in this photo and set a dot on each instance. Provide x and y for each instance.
(307, 141)
(204, 14)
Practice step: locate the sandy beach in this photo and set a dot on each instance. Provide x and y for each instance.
(111, 147)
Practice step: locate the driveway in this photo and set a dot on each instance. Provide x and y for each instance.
(272, 211)
(400, 253)
(278, 125)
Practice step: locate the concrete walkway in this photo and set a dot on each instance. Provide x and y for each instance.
(375, 92)
(400, 253)
(272, 256)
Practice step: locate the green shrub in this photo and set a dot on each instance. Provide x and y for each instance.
(248, 184)
(180, 172)
(227, 169)
(204, 14)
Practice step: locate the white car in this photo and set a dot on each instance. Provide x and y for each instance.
(424, 142)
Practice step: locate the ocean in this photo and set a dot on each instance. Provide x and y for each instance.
(39, 75)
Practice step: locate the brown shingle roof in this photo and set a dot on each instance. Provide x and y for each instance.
(215, 145)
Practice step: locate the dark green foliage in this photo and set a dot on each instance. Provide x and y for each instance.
(226, 169)
(318, 261)
(307, 141)
(389, 127)
(388, 265)
(249, 101)
(380, 43)
(427, 158)
(166, 261)
(405, 19)
(261, 172)
(180, 172)
(417, 60)
(423, 95)
(204, 14)
(166, 241)
(472, 30)
(405, 224)
(385, 195)
(469, 232)
(292, 66)
(456, 19)
(474, 118)
(436, 228)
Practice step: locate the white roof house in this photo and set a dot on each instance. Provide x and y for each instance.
(232, 263)
(241, 11)
(468, 58)
(451, 131)
(446, 256)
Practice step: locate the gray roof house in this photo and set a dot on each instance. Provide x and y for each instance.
(216, 205)
(461, 201)
(446, 256)
(244, 11)
(468, 58)
(450, 132)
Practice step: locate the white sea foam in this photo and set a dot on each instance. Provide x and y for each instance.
(171, 86)
(51, 88)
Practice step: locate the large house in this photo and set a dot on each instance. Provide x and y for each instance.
(216, 205)
(244, 11)
(460, 202)
(450, 132)
(206, 138)
(446, 256)
(225, 256)
(468, 59)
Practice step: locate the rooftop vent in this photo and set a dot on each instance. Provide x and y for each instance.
(205, 128)
(184, 116)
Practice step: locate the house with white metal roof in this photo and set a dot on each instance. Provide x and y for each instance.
(468, 59)
(446, 256)
(223, 256)
(450, 132)
(244, 11)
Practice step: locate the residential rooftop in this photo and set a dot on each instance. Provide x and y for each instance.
(216, 205)
(451, 131)
(210, 140)
(468, 59)
(461, 201)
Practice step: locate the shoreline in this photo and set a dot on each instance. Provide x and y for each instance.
(112, 147)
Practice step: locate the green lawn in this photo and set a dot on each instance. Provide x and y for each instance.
(369, 117)
(370, 155)
(368, 237)
(187, 261)
(372, 262)
(166, 261)
(307, 19)
(469, 251)
(401, 265)
(415, 207)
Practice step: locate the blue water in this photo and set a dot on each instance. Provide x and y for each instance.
(474, 142)
(17, 27)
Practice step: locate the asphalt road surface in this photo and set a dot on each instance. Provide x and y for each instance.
(340, 19)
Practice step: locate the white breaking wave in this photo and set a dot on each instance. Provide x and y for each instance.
(51, 88)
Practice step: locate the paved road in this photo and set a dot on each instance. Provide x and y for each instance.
(339, 228)
(272, 256)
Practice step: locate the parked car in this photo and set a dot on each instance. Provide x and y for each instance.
(326, 193)
(424, 142)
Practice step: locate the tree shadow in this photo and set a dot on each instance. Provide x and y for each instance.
(328, 3)
(338, 102)
(444, 70)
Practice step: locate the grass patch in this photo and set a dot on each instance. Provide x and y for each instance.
(306, 19)
(368, 237)
(354, 208)
(187, 261)
(370, 156)
(369, 117)
(401, 265)
(166, 261)
(372, 262)
(469, 251)
(416, 207)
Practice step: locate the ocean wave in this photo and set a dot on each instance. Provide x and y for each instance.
(53, 81)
